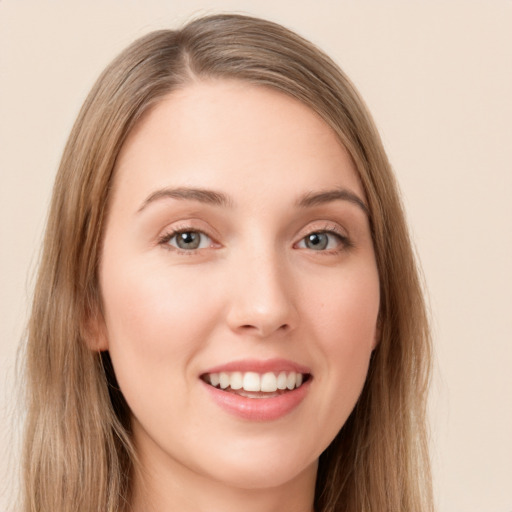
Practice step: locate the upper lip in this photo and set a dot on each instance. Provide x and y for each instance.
(259, 366)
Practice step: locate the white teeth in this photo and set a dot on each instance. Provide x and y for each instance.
(251, 381)
(281, 380)
(224, 380)
(214, 379)
(290, 381)
(268, 383)
(236, 380)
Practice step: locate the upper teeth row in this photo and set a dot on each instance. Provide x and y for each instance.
(252, 381)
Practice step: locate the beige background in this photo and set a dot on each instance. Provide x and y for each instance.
(437, 77)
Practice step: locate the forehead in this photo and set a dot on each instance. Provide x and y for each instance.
(234, 136)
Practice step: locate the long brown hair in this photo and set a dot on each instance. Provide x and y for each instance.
(77, 451)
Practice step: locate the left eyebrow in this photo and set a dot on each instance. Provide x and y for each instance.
(342, 194)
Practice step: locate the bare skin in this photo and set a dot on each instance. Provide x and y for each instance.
(237, 236)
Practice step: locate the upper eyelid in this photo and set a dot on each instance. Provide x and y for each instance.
(185, 225)
(323, 227)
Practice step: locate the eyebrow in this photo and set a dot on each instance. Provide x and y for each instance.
(342, 194)
(214, 198)
(192, 194)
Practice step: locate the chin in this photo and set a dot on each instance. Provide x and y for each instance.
(263, 468)
(264, 476)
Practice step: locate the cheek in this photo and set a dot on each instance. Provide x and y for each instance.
(343, 316)
(152, 319)
(347, 308)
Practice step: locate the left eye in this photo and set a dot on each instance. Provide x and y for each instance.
(189, 240)
(321, 241)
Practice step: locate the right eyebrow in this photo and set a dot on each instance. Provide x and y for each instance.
(186, 193)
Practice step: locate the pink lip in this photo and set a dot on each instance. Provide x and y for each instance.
(259, 409)
(260, 366)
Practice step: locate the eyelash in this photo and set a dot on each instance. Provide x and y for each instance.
(167, 237)
(344, 241)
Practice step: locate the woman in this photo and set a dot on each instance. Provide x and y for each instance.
(228, 313)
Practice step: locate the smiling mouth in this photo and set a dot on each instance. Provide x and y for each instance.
(256, 385)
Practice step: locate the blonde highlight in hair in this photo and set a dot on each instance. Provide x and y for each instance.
(78, 453)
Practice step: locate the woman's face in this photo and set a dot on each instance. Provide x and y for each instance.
(237, 257)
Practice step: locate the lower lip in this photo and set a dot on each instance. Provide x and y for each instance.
(259, 409)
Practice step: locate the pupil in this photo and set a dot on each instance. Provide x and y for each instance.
(317, 241)
(188, 240)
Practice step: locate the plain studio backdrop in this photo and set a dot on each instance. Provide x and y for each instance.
(437, 77)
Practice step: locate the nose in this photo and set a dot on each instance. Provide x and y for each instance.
(263, 300)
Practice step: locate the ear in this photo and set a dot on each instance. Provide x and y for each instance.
(94, 331)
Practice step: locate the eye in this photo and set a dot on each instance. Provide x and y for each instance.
(187, 240)
(322, 241)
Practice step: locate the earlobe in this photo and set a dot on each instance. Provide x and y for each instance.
(94, 331)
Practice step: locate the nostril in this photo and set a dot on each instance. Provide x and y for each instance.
(264, 330)
(248, 327)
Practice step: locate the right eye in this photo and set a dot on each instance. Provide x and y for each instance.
(187, 240)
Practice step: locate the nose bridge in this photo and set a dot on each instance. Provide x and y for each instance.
(263, 297)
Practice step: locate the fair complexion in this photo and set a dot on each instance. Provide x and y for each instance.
(238, 248)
